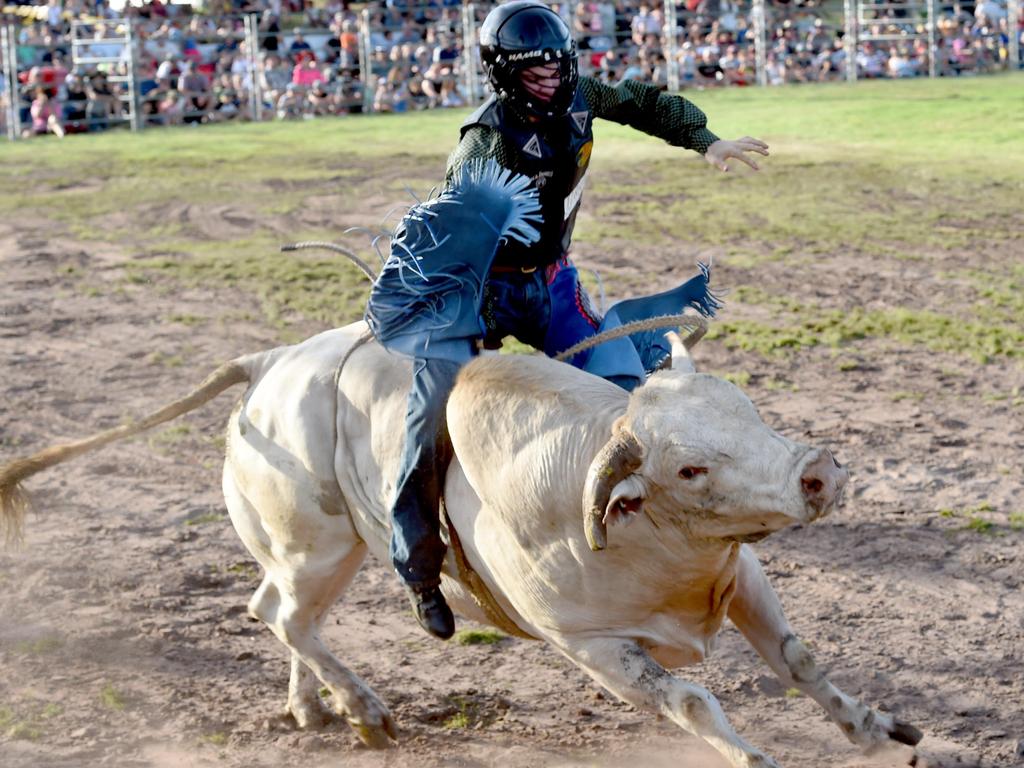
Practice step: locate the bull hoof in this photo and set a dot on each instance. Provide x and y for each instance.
(760, 760)
(905, 733)
(309, 715)
(376, 736)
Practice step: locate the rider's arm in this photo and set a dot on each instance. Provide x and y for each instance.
(481, 142)
(646, 108)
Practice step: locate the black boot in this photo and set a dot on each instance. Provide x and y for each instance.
(431, 610)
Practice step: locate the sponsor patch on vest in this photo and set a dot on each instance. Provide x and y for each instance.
(580, 119)
(542, 178)
(583, 156)
(532, 147)
(574, 197)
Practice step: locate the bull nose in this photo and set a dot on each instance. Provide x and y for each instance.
(822, 482)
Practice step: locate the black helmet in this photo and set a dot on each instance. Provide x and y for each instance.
(522, 34)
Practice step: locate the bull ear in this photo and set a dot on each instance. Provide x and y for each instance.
(626, 502)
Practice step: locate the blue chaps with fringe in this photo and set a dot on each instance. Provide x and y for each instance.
(516, 304)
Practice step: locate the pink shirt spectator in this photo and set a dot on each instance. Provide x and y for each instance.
(42, 110)
(305, 75)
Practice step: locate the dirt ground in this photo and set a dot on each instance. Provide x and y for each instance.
(124, 639)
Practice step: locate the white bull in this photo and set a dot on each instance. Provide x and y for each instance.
(313, 449)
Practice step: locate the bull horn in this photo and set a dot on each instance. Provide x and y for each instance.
(613, 463)
(680, 359)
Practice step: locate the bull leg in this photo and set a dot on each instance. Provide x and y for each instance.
(304, 704)
(626, 669)
(293, 612)
(757, 613)
(293, 606)
(304, 697)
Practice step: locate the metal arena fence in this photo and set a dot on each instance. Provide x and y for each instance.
(97, 74)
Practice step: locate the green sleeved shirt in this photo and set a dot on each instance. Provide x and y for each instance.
(639, 105)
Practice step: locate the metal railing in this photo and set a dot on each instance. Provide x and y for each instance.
(381, 65)
(12, 88)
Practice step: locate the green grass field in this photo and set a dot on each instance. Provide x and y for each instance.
(888, 170)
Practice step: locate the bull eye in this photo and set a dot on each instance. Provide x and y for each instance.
(688, 473)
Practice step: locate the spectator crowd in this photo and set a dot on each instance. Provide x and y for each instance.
(333, 57)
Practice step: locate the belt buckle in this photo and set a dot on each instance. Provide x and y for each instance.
(528, 270)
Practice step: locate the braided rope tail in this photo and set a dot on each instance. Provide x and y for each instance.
(15, 503)
(695, 325)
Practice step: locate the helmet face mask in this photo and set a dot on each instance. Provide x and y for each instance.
(519, 36)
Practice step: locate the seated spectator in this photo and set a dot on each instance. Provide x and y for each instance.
(446, 53)
(161, 45)
(194, 88)
(241, 69)
(145, 77)
(610, 67)
(709, 71)
(75, 100)
(171, 108)
(269, 27)
(298, 45)
(168, 69)
(53, 48)
(415, 94)
(349, 95)
(390, 98)
(989, 10)
(871, 61)
(306, 72)
(290, 103)
(49, 76)
(830, 63)
(274, 77)
(103, 104)
(644, 22)
(819, 38)
(321, 97)
(745, 72)
(348, 39)
(900, 63)
(775, 69)
(227, 103)
(633, 70)
(150, 103)
(55, 16)
(45, 113)
(730, 63)
(450, 96)
(432, 82)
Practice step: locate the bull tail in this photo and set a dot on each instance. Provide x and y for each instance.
(14, 502)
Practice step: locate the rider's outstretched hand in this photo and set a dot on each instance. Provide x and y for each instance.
(722, 150)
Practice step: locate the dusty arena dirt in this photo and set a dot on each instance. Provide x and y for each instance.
(124, 639)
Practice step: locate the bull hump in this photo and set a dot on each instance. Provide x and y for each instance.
(500, 401)
(537, 377)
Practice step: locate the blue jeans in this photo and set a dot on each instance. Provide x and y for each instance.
(515, 304)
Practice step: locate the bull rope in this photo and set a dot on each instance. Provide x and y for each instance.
(692, 323)
(323, 245)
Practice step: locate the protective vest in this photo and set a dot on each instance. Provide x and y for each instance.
(555, 154)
